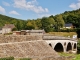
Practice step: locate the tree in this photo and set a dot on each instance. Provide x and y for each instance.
(47, 24)
(78, 47)
(29, 26)
(38, 24)
(59, 22)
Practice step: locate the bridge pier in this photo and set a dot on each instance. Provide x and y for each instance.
(65, 49)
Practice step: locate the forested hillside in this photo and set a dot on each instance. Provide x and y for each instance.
(49, 24)
(72, 17)
(20, 24)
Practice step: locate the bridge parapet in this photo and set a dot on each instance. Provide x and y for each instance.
(51, 37)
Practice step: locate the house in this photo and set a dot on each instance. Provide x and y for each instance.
(32, 32)
(16, 32)
(23, 32)
(36, 32)
(68, 26)
(7, 28)
(29, 32)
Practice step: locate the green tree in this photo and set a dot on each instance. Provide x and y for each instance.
(59, 22)
(29, 26)
(38, 23)
(47, 24)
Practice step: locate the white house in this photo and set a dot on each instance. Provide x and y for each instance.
(7, 28)
(68, 26)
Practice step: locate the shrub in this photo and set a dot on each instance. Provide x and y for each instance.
(78, 47)
(7, 58)
(8, 34)
(68, 30)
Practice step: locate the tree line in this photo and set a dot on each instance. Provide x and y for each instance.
(49, 24)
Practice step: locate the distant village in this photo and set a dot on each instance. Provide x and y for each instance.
(8, 29)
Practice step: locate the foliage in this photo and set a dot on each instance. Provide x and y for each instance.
(78, 46)
(38, 24)
(9, 20)
(66, 54)
(68, 30)
(77, 57)
(7, 58)
(59, 22)
(14, 29)
(78, 32)
(12, 58)
(47, 24)
(8, 33)
(30, 26)
(72, 17)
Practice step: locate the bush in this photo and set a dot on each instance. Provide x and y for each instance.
(8, 34)
(7, 58)
(78, 33)
(78, 47)
(68, 30)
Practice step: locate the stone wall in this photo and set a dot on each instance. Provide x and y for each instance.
(27, 49)
(18, 38)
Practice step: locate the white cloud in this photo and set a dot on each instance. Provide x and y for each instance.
(44, 15)
(75, 5)
(29, 5)
(78, 0)
(6, 4)
(2, 10)
(14, 12)
(46, 10)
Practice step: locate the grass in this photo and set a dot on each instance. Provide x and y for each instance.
(65, 34)
(76, 56)
(66, 54)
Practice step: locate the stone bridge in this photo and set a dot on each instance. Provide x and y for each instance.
(61, 44)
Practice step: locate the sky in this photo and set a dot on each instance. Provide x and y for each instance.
(33, 9)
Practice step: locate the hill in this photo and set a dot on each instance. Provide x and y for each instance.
(9, 20)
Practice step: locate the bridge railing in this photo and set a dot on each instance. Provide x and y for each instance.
(51, 37)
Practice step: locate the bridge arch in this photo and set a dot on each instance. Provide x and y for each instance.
(59, 47)
(69, 47)
(75, 46)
